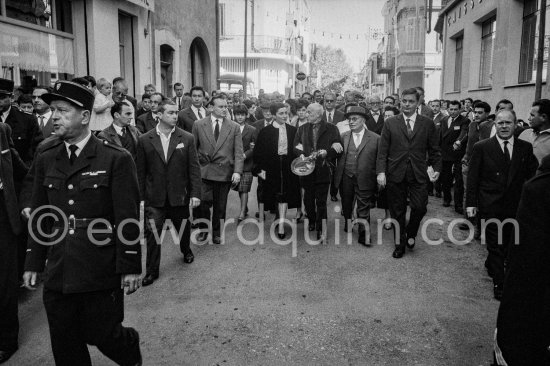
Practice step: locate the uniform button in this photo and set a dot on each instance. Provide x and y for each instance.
(71, 202)
(50, 186)
(71, 231)
(70, 186)
(95, 185)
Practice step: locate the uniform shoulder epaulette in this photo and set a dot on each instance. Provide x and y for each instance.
(112, 146)
(49, 143)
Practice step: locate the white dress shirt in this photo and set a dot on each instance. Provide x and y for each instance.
(118, 129)
(412, 120)
(375, 115)
(165, 140)
(43, 118)
(213, 120)
(196, 111)
(358, 137)
(510, 145)
(493, 130)
(80, 145)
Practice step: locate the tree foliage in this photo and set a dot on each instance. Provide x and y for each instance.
(334, 67)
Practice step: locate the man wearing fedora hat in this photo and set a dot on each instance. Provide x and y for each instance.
(356, 170)
(92, 185)
(26, 133)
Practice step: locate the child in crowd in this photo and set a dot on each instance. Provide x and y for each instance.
(25, 103)
(101, 113)
(249, 138)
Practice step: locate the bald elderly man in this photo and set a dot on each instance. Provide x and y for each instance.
(375, 120)
(324, 139)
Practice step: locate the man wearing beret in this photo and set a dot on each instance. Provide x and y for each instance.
(92, 244)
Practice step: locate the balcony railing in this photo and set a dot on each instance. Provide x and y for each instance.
(259, 44)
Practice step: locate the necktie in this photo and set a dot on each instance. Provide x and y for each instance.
(357, 139)
(409, 127)
(72, 156)
(330, 117)
(41, 122)
(179, 103)
(506, 152)
(217, 130)
(124, 131)
(200, 114)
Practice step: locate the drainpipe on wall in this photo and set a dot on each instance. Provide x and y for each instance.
(217, 73)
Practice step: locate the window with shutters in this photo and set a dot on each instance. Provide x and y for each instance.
(530, 41)
(458, 62)
(488, 33)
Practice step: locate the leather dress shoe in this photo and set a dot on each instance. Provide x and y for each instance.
(398, 252)
(363, 240)
(188, 257)
(202, 237)
(149, 279)
(411, 242)
(446, 204)
(5, 355)
(498, 291)
(217, 240)
(333, 198)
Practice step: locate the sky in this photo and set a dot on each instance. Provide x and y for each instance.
(350, 18)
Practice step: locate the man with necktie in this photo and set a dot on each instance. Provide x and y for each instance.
(375, 120)
(148, 121)
(42, 110)
(121, 132)
(188, 116)
(406, 141)
(178, 98)
(496, 172)
(221, 157)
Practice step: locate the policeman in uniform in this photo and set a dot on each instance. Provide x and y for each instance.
(92, 244)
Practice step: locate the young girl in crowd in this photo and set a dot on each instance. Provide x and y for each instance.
(101, 113)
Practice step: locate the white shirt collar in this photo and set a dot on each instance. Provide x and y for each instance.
(242, 127)
(277, 125)
(412, 118)
(80, 145)
(214, 119)
(46, 115)
(501, 141)
(195, 109)
(118, 129)
(163, 135)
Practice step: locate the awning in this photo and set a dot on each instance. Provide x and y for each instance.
(33, 50)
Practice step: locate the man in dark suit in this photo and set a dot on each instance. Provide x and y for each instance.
(221, 157)
(12, 171)
(375, 120)
(26, 134)
(453, 134)
(42, 110)
(93, 185)
(331, 114)
(188, 116)
(120, 92)
(120, 132)
(178, 98)
(356, 171)
(169, 180)
(496, 172)
(523, 318)
(324, 139)
(148, 121)
(406, 141)
(267, 117)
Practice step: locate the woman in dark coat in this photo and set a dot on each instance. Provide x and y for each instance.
(273, 154)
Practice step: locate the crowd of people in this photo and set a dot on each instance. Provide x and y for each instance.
(94, 152)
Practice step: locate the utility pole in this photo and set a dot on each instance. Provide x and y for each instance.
(245, 79)
(293, 37)
(540, 51)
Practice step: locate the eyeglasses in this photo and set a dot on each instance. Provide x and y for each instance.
(329, 100)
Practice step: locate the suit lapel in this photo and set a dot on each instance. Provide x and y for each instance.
(155, 141)
(224, 132)
(207, 128)
(515, 164)
(366, 137)
(403, 125)
(114, 135)
(174, 139)
(346, 141)
(497, 153)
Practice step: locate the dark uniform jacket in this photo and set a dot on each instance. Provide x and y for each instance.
(328, 135)
(523, 322)
(146, 122)
(26, 134)
(12, 171)
(488, 186)
(170, 181)
(397, 149)
(102, 183)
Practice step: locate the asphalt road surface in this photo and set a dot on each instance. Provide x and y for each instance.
(304, 304)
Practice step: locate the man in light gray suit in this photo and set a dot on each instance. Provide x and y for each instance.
(221, 157)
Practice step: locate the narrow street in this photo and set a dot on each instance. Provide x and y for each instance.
(328, 305)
